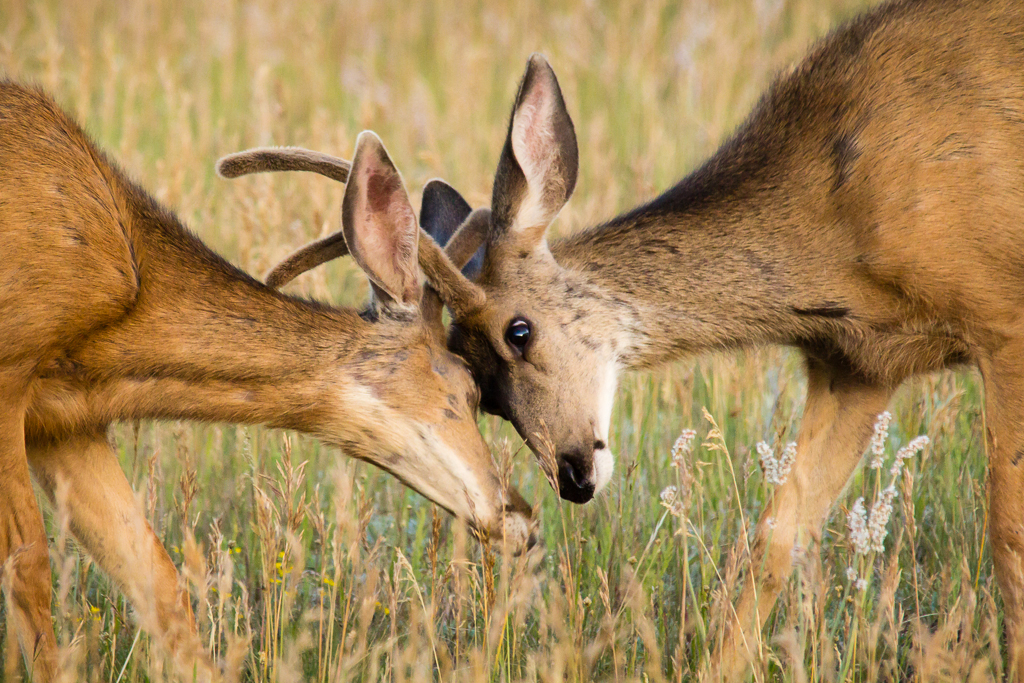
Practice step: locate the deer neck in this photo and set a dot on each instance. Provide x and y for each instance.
(204, 341)
(723, 259)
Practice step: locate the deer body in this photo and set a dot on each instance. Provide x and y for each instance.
(112, 310)
(869, 212)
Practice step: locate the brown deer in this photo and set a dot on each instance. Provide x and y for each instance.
(113, 310)
(869, 212)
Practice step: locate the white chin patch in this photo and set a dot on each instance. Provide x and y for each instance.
(604, 461)
(604, 465)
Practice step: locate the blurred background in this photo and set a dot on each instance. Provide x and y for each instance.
(306, 566)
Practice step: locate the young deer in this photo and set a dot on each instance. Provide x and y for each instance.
(113, 310)
(869, 212)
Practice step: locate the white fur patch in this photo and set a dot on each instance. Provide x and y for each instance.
(604, 461)
(604, 466)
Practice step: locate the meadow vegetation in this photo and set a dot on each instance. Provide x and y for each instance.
(304, 565)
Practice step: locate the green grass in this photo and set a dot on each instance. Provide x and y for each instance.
(308, 566)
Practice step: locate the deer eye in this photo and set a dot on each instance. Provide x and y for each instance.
(518, 334)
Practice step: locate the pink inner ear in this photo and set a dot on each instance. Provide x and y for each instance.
(532, 136)
(380, 188)
(392, 239)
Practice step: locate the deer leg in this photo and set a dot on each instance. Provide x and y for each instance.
(1003, 372)
(24, 556)
(84, 475)
(837, 424)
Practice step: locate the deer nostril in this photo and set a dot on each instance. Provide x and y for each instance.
(571, 475)
(599, 445)
(572, 482)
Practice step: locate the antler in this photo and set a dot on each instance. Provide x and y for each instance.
(264, 159)
(468, 237)
(267, 159)
(307, 258)
(458, 292)
(454, 288)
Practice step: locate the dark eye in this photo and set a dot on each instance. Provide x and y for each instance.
(518, 333)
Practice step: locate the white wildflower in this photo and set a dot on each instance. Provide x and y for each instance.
(880, 513)
(776, 470)
(868, 531)
(861, 584)
(910, 450)
(878, 439)
(857, 522)
(672, 501)
(851, 574)
(682, 447)
(787, 460)
(668, 495)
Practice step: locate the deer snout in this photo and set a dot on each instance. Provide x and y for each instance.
(584, 472)
(576, 481)
(514, 529)
(519, 528)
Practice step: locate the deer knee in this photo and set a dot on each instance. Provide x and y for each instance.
(773, 558)
(29, 579)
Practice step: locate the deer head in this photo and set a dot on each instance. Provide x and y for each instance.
(532, 347)
(417, 401)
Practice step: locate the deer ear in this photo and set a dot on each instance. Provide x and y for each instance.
(442, 213)
(379, 224)
(442, 210)
(537, 169)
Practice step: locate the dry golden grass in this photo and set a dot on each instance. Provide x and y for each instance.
(305, 566)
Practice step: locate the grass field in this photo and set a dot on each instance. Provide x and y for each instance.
(307, 566)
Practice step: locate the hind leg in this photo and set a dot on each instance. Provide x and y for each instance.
(106, 518)
(1004, 405)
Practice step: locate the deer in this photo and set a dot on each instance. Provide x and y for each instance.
(114, 310)
(869, 213)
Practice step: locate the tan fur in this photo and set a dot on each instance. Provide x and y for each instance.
(112, 310)
(870, 212)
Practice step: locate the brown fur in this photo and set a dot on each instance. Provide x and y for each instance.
(870, 212)
(266, 159)
(114, 310)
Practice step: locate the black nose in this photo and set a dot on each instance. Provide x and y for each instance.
(572, 484)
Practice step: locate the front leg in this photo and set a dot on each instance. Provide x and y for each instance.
(837, 424)
(24, 557)
(108, 521)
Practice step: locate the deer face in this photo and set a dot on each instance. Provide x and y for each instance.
(417, 407)
(543, 348)
(533, 352)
